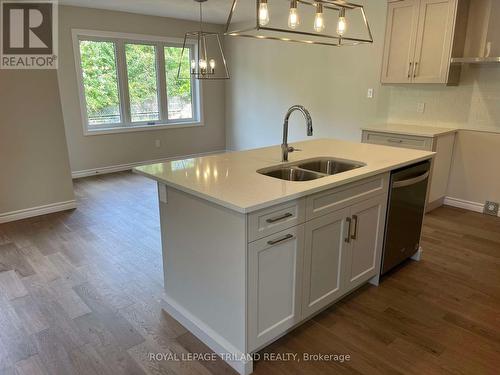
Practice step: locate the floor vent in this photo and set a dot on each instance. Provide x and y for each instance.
(491, 208)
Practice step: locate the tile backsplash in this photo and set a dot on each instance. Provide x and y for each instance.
(474, 104)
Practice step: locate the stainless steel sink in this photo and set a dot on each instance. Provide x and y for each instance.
(329, 166)
(312, 169)
(291, 174)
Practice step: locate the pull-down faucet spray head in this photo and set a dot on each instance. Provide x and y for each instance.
(284, 146)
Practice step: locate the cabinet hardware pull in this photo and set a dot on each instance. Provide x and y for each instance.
(391, 140)
(355, 234)
(279, 218)
(415, 70)
(274, 242)
(409, 70)
(348, 237)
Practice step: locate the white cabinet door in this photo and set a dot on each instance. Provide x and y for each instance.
(323, 257)
(275, 266)
(434, 41)
(363, 255)
(400, 37)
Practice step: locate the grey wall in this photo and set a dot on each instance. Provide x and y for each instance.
(97, 151)
(474, 174)
(270, 76)
(34, 167)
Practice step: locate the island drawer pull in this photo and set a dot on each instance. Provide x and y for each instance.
(274, 242)
(355, 234)
(279, 218)
(348, 237)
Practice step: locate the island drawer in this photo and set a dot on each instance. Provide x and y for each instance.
(397, 140)
(335, 199)
(275, 219)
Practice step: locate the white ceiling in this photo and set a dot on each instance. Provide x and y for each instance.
(215, 11)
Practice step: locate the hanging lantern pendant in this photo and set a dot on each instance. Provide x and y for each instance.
(208, 54)
(324, 22)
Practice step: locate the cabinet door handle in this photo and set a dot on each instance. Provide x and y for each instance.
(409, 70)
(348, 237)
(355, 234)
(415, 70)
(282, 239)
(279, 218)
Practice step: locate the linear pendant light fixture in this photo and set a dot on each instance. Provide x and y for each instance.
(202, 54)
(326, 22)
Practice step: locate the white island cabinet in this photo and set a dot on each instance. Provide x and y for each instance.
(249, 257)
(294, 273)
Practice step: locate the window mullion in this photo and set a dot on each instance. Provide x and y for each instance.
(162, 82)
(123, 82)
(195, 91)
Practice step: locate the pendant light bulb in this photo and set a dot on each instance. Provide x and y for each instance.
(212, 63)
(293, 17)
(263, 13)
(342, 23)
(319, 21)
(203, 66)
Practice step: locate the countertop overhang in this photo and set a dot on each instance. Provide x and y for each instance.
(231, 179)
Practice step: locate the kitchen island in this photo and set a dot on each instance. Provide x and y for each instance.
(247, 257)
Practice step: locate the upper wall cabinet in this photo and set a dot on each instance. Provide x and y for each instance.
(420, 40)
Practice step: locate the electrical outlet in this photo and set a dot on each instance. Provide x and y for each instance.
(491, 208)
(369, 94)
(157, 143)
(420, 107)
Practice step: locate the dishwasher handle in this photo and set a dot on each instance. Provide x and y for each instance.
(410, 181)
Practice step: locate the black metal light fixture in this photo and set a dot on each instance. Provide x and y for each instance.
(306, 21)
(206, 55)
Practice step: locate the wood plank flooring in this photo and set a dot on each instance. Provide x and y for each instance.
(81, 293)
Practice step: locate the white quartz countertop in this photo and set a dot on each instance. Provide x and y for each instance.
(415, 130)
(231, 179)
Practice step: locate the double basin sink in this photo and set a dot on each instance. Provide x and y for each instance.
(312, 169)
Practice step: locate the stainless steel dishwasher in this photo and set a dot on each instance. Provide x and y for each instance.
(405, 213)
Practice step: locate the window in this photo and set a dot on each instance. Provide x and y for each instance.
(100, 82)
(180, 105)
(130, 83)
(142, 82)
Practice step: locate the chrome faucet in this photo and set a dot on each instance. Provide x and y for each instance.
(285, 149)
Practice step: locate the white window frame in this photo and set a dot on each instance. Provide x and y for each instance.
(126, 125)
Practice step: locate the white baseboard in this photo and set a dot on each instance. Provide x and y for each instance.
(466, 205)
(37, 211)
(129, 166)
(208, 336)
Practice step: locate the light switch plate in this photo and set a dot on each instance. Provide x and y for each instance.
(369, 94)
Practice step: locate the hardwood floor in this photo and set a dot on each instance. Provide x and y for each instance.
(81, 293)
